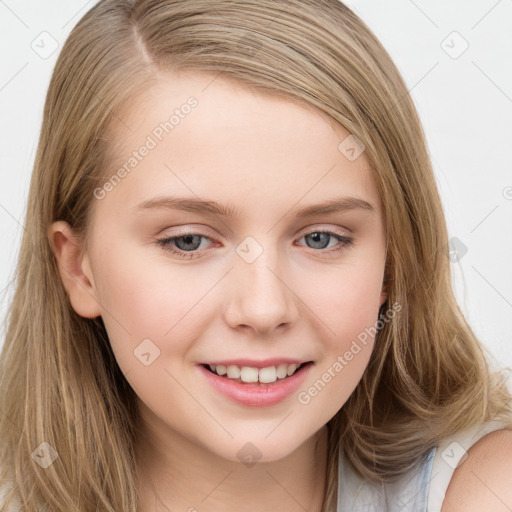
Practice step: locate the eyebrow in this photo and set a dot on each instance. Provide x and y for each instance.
(193, 205)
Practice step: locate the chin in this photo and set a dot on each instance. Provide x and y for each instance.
(261, 449)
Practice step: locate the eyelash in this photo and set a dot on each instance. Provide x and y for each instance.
(165, 243)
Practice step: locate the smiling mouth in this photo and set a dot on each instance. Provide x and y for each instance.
(251, 375)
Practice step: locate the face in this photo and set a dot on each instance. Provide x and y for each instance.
(251, 280)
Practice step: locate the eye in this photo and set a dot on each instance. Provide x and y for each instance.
(319, 238)
(186, 245)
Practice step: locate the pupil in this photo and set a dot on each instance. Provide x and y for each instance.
(185, 240)
(316, 238)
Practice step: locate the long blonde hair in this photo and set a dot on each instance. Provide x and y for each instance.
(60, 384)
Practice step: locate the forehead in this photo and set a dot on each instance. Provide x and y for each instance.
(208, 134)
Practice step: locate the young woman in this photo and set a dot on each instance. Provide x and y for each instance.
(233, 289)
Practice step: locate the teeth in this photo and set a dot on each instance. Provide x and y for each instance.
(268, 374)
(291, 369)
(249, 374)
(282, 371)
(233, 372)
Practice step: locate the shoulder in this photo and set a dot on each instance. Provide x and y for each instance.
(482, 481)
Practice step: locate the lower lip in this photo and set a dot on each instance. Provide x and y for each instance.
(256, 394)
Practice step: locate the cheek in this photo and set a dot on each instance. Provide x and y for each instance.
(347, 300)
(144, 301)
(347, 306)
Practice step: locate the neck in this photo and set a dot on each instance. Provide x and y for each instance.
(177, 474)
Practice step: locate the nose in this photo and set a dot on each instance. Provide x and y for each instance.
(260, 296)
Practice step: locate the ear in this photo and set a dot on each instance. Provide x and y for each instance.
(74, 270)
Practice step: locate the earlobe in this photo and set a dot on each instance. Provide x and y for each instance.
(79, 286)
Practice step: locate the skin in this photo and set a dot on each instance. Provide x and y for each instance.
(263, 155)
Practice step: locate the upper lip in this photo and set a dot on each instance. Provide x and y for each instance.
(264, 363)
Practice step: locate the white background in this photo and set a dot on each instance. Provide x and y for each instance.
(465, 104)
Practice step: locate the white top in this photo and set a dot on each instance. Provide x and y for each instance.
(421, 489)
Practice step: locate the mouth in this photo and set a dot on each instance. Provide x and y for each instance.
(256, 386)
(254, 375)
